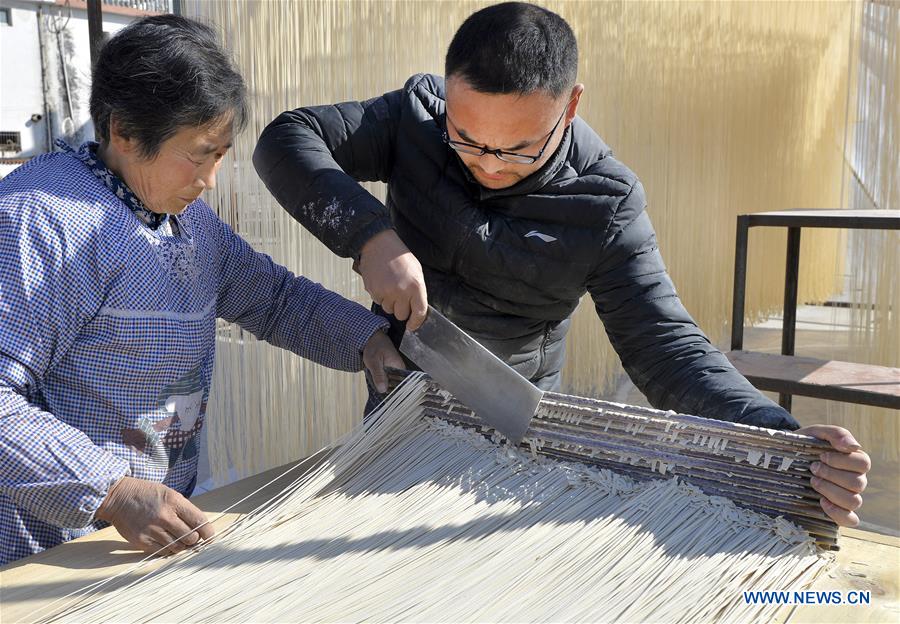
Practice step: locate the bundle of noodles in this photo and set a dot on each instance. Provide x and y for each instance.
(416, 518)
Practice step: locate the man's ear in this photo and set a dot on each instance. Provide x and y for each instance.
(574, 98)
(118, 139)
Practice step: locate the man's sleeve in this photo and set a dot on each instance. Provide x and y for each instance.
(48, 289)
(289, 311)
(663, 351)
(312, 160)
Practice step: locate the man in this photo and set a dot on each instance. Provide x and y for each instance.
(503, 209)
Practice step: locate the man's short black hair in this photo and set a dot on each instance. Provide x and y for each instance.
(514, 47)
(163, 73)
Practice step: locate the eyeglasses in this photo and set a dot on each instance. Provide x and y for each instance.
(510, 157)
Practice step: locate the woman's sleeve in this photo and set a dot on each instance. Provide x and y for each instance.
(288, 310)
(49, 287)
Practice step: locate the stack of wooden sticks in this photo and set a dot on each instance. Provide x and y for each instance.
(759, 469)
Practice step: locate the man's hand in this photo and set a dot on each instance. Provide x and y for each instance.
(839, 475)
(393, 277)
(379, 353)
(150, 515)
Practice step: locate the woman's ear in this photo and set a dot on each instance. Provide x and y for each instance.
(118, 139)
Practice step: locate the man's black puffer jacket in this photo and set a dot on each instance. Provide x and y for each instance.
(508, 266)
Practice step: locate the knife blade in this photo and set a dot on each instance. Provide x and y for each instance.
(500, 396)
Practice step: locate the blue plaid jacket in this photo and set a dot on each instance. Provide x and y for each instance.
(107, 331)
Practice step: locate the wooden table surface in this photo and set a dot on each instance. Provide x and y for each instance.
(867, 561)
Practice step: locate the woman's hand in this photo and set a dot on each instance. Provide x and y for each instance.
(150, 516)
(378, 354)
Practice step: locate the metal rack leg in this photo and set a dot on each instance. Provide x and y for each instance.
(740, 283)
(791, 278)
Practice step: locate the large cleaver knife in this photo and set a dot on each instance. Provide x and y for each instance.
(501, 397)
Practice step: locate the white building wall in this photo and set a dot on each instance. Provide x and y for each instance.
(63, 101)
(20, 78)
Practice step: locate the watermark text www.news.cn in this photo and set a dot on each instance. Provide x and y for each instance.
(862, 597)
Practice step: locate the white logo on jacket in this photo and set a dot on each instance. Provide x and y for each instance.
(544, 237)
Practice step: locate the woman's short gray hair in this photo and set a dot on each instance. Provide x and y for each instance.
(163, 73)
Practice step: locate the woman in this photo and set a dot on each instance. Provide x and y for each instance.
(112, 274)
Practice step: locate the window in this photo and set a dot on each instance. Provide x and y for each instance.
(10, 142)
(5, 16)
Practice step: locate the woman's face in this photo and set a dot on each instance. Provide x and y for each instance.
(185, 166)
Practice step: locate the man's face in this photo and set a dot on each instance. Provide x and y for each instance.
(509, 122)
